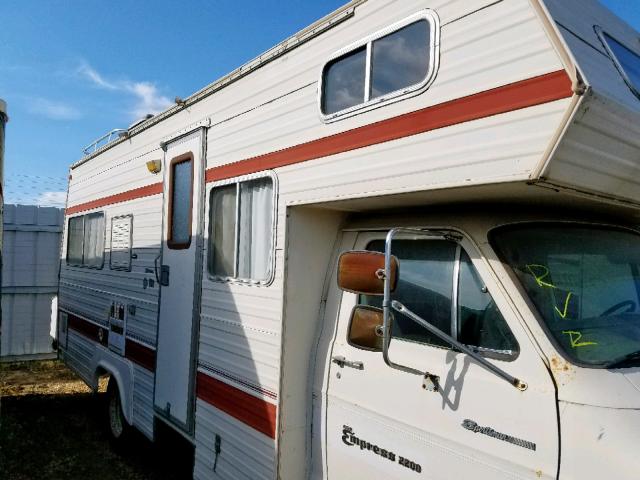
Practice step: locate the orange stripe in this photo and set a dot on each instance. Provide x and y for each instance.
(146, 191)
(515, 96)
(255, 412)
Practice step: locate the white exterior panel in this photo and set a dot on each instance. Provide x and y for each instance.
(600, 149)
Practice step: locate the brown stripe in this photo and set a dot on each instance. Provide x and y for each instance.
(88, 329)
(515, 96)
(140, 354)
(141, 192)
(250, 410)
(134, 351)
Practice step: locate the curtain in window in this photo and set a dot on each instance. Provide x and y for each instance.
(223, 231)
(74, 242)
(256, 220)
(93, 240)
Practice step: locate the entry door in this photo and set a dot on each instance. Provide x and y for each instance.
(178, 271)
(383, 423)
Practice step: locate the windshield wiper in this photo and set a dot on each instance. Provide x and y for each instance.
(626, 361)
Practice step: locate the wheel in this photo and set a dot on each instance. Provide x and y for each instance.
(119, 429)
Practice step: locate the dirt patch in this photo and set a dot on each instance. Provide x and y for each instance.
(53, 427)
(44, 378)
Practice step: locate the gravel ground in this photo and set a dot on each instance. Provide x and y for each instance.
(53, 427)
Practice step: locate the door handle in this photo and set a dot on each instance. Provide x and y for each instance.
(343, 362)
(163, 279)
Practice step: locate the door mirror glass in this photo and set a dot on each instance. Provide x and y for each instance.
(366, 329)
(363, 272)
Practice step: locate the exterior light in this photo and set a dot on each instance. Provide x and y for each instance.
(154, 166)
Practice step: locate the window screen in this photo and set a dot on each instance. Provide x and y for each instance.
(85, 243)
(399, 62)
(426, 285)
(241, 230)
(181, 204)
(627, 62)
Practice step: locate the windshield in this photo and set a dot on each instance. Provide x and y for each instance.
(585, 283)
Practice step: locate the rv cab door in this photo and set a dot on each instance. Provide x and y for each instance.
(383, 423)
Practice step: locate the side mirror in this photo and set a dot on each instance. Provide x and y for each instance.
(363, 272)
(366, 328)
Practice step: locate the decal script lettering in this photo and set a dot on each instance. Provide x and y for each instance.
(350, 439)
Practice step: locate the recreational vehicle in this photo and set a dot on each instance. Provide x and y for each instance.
(400, 244)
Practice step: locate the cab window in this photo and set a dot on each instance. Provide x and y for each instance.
(440, 284)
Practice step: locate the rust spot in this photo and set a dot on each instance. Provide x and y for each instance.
(559, 365)
(562, 370)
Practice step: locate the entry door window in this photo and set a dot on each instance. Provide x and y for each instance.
(180, 202)
(440, 284)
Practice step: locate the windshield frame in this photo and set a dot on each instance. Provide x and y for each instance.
(533, 308)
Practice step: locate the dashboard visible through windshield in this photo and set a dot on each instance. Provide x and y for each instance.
(584, 281)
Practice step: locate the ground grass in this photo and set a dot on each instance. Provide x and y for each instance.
(53, 427)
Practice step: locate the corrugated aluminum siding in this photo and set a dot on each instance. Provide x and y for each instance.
(31, 256)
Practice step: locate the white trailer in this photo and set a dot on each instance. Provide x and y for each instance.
(492, 148)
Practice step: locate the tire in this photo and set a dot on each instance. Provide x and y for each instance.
(118, 428)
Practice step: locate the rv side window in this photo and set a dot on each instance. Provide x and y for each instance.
(85, 243)
(343, 82)
(400, 59)
(180, 202)
(626, 60)
(389, 64)
(75, 238)
(241, 230)
(439, 282)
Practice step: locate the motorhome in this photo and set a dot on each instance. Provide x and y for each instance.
(400, 244)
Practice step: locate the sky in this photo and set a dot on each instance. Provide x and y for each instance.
(72, 70)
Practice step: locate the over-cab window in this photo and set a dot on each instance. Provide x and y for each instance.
(440, 284)
(241, 233)
(387, 65)
(626, 60)
(85, 240)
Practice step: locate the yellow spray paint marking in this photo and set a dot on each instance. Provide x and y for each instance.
(543, 272)
(540, 277)
(563, 314)
(575, 339)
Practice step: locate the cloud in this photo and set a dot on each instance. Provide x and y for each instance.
(51, 199)
(90, 74)
(149, 100)
(147, 97)
(52, 110)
